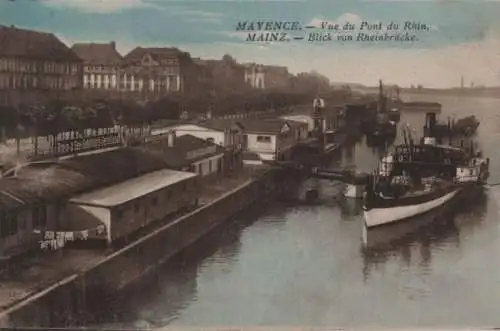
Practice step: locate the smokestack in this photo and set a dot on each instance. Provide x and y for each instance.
(171, 138)
(113, 44)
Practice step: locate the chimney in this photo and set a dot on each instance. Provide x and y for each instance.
(171, 138)
(113, 44)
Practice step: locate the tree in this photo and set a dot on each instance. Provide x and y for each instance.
(9, 120)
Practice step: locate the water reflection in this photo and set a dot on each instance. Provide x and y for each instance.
(420, 235)
(351, 209)
(156, 300)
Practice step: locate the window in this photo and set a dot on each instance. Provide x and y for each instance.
(210, 166)
(154, 201)
(173, 83)
(263, 139)
(136, 208)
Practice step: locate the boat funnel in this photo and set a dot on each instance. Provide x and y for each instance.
(430, 124)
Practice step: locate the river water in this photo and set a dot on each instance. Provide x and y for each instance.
(294, 265)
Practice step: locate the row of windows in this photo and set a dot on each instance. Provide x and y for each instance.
(100, 69)
(31, 82)
(170, 85)
(92, 78)
(104, 85)
(14, 65)
(167, 81)
(147, 60)
(264, 139)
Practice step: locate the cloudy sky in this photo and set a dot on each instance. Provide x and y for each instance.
(464, 38)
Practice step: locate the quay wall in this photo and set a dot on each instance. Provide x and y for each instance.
(65, 303)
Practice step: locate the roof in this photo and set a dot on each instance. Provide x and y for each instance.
(36, 186)
(305, 118)
(177, 156)
(221, 124)
(272, 126)
(157, 53)
(189, 143)
(45, 182)
(133, 188)
(98, 54)
(34, 44)
(39, 183)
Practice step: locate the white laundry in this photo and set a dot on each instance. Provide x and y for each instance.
(60, 242)
(43, 245)
(49, 235)
(85, 234)
(69, 236)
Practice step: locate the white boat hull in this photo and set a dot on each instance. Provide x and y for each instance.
(380, 216)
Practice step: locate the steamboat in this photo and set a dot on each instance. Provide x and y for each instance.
(417, 178)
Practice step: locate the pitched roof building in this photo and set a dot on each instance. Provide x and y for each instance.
(157, 70)
(98, 54)
(101, 64)
(37, 60)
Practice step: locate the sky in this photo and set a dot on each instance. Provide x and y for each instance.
(462, 39)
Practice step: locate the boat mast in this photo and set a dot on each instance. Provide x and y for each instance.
(381, 99)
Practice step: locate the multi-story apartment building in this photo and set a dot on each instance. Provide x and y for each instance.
(33, 60)
(101, 65)
(156, 70)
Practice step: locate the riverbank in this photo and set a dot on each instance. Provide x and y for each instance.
(80, 272)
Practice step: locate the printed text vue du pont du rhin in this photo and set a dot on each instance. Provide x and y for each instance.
(270, 30)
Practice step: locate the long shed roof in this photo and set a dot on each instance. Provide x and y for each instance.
(132, 189)
(46, 182)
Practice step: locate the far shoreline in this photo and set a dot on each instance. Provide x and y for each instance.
(493, 92)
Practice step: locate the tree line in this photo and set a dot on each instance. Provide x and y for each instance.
(57, 114)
